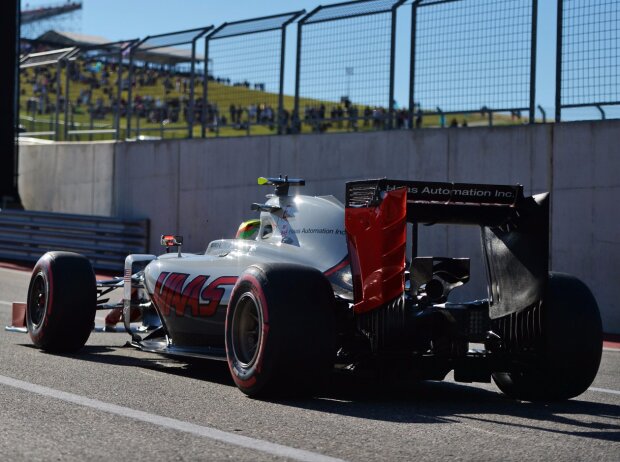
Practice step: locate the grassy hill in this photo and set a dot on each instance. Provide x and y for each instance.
(176, 94)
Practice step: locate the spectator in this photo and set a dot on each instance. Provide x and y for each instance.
(367, 115)
(418, 118)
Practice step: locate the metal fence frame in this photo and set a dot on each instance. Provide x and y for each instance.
(305, 20)
(54, 57)
(213, 35)
(112, 49)
(558, 73)
(415, 5)
(61, 58)
(129, 50)
(139, 47)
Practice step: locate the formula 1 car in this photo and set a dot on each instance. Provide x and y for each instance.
(326, 286)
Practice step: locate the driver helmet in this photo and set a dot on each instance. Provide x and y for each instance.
(248, 229)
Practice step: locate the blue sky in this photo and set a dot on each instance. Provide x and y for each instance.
(128, 19)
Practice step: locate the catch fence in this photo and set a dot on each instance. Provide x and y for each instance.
(464, 60)
(588, 58)
(245, 76)
(353, 83)
(158, 110)
(473, 56)
(40, 108)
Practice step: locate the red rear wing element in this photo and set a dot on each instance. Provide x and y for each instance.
(377, 237)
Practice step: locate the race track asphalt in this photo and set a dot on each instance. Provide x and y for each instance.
(111, 402)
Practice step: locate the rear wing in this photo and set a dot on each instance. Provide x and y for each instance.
(435, 202)
(514, 231)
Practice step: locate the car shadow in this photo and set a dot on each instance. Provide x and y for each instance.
(400, 401)
(428, 402)
(194, 368)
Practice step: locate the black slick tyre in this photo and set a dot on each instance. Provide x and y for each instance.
(62, 301)
(280, 331)
(570, 348)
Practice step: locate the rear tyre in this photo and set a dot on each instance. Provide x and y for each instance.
(62, 300)
(570, 350)
(280, 330)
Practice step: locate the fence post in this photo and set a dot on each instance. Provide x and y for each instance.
(392, 64)
(66, 127)
(414, 12)
(190, 115)
(295, 116)
(57, 108)
(532, 115)
(92, 122)
(544, 114)
(129, 95)
(558, 64)
(205, 88)
(73, 126)
(117, 116)
(280, 112)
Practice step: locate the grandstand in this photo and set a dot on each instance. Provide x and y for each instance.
(52, 39)
(34, 20)
(47, 12)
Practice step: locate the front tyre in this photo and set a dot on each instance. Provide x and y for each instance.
(570, 349)
(280, 330)
(62, 301)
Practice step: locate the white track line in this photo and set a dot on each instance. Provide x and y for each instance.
(604, 390)
(173, 424)
(14, 270)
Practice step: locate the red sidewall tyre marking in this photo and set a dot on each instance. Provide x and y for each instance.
(257, 291)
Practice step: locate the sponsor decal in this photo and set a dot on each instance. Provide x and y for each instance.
(174, 294)
(459, 192)
(332, 231)
(337, 232)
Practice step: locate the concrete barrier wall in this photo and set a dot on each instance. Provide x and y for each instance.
(67, 177)
(203, 188)
(586, 211)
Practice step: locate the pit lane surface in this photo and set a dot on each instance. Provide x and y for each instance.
(112, 402)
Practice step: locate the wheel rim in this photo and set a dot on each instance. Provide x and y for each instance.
(37, 302)
(246, 330)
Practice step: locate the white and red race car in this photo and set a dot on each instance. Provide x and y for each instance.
(326, 285)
